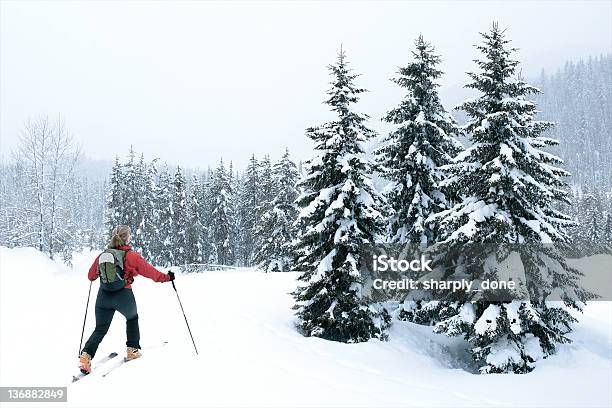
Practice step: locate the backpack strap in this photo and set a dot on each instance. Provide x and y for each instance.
(119, 256)
(127, 276)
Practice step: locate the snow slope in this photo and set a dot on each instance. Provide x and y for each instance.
(251, 355)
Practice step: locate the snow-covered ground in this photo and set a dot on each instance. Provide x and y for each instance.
(251, 355)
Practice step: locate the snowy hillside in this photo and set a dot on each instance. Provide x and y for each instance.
(250, 353)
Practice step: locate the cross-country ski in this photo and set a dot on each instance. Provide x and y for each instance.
(109, 369)
(95, 366)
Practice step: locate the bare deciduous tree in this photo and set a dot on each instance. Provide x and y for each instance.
(47, 157)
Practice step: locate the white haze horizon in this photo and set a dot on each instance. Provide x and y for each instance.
(193, 82)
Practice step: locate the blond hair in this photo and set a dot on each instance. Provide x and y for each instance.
(120, 236)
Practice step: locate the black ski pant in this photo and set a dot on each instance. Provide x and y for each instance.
(122, 301)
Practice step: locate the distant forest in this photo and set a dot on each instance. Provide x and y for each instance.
(578, 99)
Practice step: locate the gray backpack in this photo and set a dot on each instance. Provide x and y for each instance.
(110, 270)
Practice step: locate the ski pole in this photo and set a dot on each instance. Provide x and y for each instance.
(186, 322)
(85, 318)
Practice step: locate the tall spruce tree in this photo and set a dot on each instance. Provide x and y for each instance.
(588, 237)
(233, 181)
(339, 214)
(591, 214)
(114, 199)
(267, 187)
(141, 173)
(265, 195)
(196, 229)
(509, 185)
(608, 231)
(578, 210)
(248, 203)
(275, 228)
(179, 218)
(131, 193)
(207, 208)
(147, 231)
(221, 216)
(411, 154)
(165, 206)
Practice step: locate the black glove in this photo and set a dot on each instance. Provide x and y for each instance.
(171, 275)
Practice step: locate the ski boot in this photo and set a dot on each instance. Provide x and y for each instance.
(85, 362)
(132, 354)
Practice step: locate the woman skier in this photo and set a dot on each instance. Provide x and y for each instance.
(117, 267)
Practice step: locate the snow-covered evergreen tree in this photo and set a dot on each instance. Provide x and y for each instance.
(248, 202)
(164, 204)
(207, 201)
(411, 155)
(147, 231)
(221, 220)
(196, 230)
(339, 214)
(179, 218)
(232, 183)
(608, 230)
(267, 187)
(114, 200)
(131, 209)
(509, 185)
(142, 206)
(275, 227)
(589, 210)
(266, 193)
(592, 214)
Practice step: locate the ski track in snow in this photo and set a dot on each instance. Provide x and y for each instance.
(251, 354)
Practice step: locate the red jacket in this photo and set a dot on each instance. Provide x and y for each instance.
(133, 265)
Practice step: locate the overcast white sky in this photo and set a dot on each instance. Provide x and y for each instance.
(190, 82)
